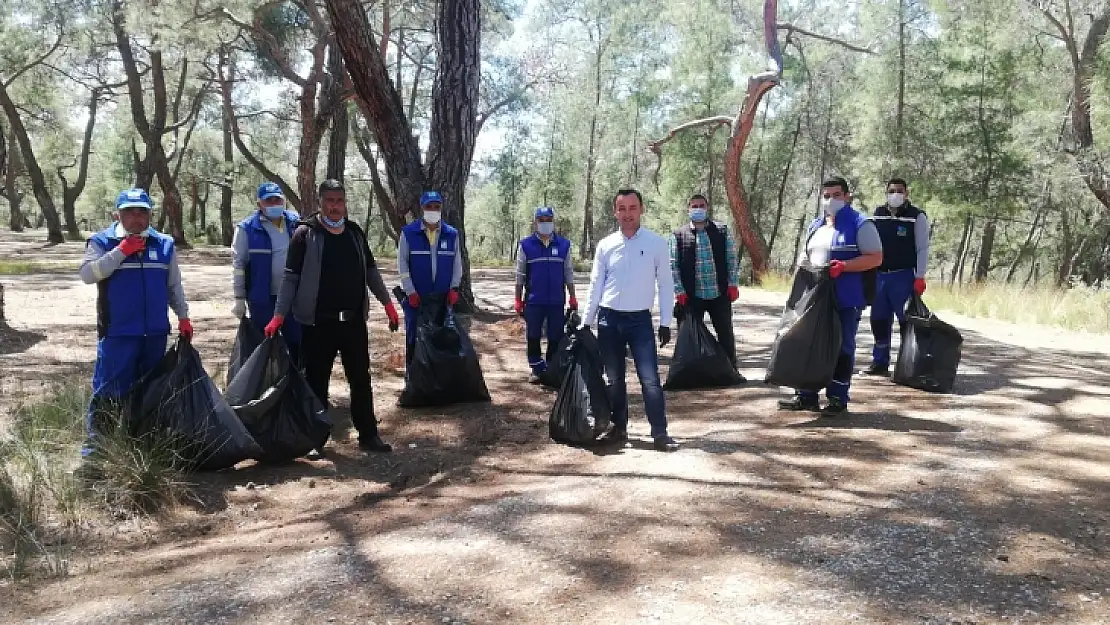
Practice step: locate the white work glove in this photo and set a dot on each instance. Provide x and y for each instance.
(240, 308)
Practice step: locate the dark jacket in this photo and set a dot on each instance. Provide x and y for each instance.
(301, 284)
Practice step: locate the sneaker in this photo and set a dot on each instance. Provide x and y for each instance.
(615, 435)
(836, 408)
(799, 403)
(374, 443)
(665, 443)
(315, 454)
(877, 369)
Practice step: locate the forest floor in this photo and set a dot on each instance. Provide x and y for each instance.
(988, 505)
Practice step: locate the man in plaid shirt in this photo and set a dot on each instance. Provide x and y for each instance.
(706, 271)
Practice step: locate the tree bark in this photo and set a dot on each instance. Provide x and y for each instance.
(34, 172)
(899, 111)
(962, 250)
(986, 250)
(70, 194)
(782, 186)
(11, 186)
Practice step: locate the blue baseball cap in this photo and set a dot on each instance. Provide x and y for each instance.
(545, 211)
(134, 198)
(269, 190)
(430, 196)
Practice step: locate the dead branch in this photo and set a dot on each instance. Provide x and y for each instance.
(791, 28)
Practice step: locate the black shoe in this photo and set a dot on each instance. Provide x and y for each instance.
(743, 380)
(665, 443)
(534, 378)
(316, 454)
(836, 408)
(374, 443)
(615, 435)
(878, 370)
(799, 403)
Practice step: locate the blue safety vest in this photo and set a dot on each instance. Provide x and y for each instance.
(134, 301)
(259, 249)
(420, 257)
(545, 267)
(849, 286)
(897, 232)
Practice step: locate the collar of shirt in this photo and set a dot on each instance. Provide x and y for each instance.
(546, 243)
(633, 237)
(433, 235)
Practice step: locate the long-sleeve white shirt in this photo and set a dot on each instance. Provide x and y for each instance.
(628, 274)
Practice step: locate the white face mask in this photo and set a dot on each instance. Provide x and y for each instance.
(431, 217)
(832, 206)
(545, 228)
(895, 200)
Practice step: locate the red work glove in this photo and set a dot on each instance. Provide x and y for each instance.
(185, 329)
(573, 303)
(919, 286)
(452, 297)
(274, 325)
(733, 293)
(414, 300)
(518, 306)
(682, 298)
(394, 320)
(836, 268)
(132, 245)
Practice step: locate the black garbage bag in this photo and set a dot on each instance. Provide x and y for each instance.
(277, 406)
(247, 339)
(179, 404)
(930, 351)
(807, 344)
(558, 361)
(444, 367)
(581, 412)
(699, 359)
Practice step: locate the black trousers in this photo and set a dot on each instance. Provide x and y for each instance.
(720, 314)
(320, 343)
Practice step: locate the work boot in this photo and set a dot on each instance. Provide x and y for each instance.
(836, 408)
(615, 435)
(879, 370)
(665, 443)
(534, 378)
(799, 403)
(374, 443)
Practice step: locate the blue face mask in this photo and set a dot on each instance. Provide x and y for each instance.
(273, 212)
(698, 215)
(333, 224)
(545, 228)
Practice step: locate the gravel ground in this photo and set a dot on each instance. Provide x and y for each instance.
(985, 506)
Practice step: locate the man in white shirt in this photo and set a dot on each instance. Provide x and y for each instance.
(631, 267)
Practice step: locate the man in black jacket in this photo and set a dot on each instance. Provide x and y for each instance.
(327, 273)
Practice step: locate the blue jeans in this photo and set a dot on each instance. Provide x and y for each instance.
(120, 362)
(263, 312)
(842, 376)
(615, 331)
(893, 290)
(535, 317)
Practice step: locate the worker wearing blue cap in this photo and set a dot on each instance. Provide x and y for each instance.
(258, 252)
(134, 268)
(544, 276)
(429, 261)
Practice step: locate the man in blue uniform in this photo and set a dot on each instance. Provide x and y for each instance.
(847, 242)
(258, 252)
(134, 268)
(429, 261)
(904, 231)
(544, 276)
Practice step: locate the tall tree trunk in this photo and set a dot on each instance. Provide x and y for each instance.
(550, 158)
(34, 172)
(337, 144)
(782, 185)
(11, 186)
(227, 229)
(1066, 249)
(961, 251)
(899, 112)
(986, 250)
(587, 243)
(799, 231)
(71, 194)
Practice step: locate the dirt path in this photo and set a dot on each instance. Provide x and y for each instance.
(988, 505)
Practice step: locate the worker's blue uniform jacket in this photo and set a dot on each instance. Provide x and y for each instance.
(545, 294)
(420, 266)
(132, 316)
(850, 298)
(259, 299)
(896, 275)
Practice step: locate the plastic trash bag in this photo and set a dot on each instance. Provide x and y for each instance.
(930, 351)
(178, 402)
(699, 359)
(581, 412)
(247, 339)
(444, 367)
(807, 344)
(277, 406)
(557, 363)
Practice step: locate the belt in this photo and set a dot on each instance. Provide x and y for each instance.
(343, 315)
